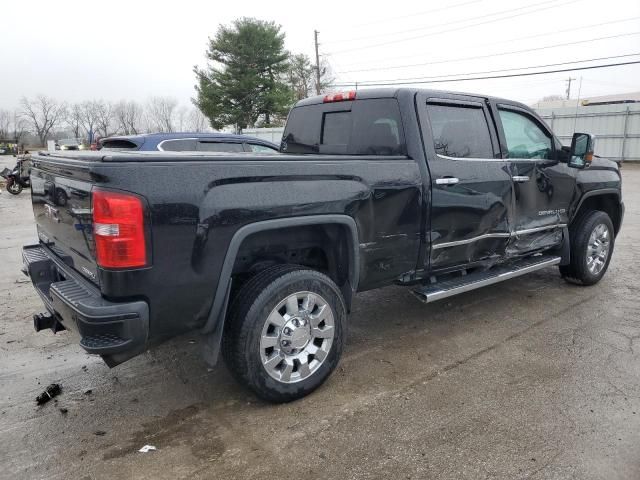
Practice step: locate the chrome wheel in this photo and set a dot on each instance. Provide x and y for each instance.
(297, 337)
(598, 248)
(14, 188)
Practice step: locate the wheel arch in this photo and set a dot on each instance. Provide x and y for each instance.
(214, 325)
(605, 200)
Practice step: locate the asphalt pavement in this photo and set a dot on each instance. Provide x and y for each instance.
(530, 378)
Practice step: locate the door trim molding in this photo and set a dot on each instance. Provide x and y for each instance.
(470, 240)
(497, 235)
(537, 229)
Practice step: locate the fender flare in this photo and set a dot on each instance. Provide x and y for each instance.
(595, 193)
(214, 326)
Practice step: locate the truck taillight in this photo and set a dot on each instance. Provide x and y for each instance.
(339, 97)
(118, 227)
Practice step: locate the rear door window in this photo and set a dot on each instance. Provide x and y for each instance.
(460, 131)
(178, 145)
(361, 127)
(225, 147)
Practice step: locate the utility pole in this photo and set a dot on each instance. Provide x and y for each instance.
(315, 38)
(569, 80)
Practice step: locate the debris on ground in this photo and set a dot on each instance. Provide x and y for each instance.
(100, 433)
(147, 448)
(51, 391)
(88, 392)
(63, 410)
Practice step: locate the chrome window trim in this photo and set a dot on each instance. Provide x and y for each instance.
(497, 235)
(471, 159)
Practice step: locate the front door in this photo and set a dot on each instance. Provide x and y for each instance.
(543, 186)
(471, 190)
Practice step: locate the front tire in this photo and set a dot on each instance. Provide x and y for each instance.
(592, 240)
(14, 188)
(285, 332)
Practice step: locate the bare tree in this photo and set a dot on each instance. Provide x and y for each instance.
(105, 118)
(74, 119)
(128, 117)
(88, 112)
(5, 124)
(326, 76)
(300, 75)
(160, 113)
(43, 113)
(181, 116)
(196, 121)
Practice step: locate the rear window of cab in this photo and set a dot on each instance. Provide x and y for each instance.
(360, 127)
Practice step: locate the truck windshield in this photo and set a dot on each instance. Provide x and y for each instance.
(360, 127)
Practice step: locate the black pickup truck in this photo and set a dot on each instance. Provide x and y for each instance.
(262, 254)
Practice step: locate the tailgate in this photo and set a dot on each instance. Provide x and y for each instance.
(61, 197)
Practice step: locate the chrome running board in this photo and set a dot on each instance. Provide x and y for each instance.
(447, 288)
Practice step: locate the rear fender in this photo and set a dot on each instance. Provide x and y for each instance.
(214, 326)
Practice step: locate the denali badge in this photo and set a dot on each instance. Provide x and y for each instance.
(551, 212)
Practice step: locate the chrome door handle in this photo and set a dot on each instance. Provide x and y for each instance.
(447, 181)
(520, 178)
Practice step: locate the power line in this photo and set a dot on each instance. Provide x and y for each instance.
(453, 22)
(415, 14)
(510, 69)
(490, 55)
(510, 40)
(390, 42)
(591, 67)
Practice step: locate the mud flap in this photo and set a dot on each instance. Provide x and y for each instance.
(564, 250)
(213, 340)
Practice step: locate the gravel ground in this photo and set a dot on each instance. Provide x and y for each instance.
(531, 378)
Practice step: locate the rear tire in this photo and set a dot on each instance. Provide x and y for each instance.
(285, 332)
(592, 240)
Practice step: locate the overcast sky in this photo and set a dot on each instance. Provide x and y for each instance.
(76, 50)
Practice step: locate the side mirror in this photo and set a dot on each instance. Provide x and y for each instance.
(581, 152)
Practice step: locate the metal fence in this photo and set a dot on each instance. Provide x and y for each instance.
(271, 134)
(616, 127)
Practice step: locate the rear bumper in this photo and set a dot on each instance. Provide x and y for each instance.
(115, 330)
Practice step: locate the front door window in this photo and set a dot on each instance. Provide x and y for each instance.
(525, 139)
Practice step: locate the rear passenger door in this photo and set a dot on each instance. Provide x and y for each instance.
(471, 187)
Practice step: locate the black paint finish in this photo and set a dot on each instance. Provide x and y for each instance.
(196, 204)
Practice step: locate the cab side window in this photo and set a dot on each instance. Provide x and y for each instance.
(525, 138)
(460, 131)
